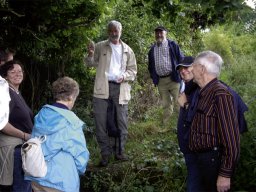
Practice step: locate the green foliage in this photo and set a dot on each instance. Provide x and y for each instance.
(241, 77)
(202, 13)
(230, 41)
(245, 70)
(220, 42)
(50, 38)
(247, 163)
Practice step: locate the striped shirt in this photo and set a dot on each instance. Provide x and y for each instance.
(162, 59)
(215, 124)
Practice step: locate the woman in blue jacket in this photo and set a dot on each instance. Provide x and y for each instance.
(65, 146)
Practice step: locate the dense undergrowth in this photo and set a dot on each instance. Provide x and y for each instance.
(155, 161)
(156, 164)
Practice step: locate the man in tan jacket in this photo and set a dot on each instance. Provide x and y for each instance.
(115, 67)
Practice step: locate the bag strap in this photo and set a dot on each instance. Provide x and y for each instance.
(42, 138)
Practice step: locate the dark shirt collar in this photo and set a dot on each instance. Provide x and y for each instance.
(207, 88)
(60, 105)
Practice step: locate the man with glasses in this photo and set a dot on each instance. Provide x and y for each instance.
(214, 136)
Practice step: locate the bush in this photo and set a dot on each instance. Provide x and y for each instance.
(242, 76)
(220, 42)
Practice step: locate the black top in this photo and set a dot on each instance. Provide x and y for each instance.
(21, 115)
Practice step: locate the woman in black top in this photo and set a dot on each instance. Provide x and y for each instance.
(16, 131)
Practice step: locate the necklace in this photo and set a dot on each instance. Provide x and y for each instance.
(16, 91)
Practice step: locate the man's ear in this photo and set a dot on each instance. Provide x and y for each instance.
(203, 69)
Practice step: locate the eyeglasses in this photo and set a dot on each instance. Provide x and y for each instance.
(196, 64)
(15, 72)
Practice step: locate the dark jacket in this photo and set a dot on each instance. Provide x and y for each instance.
(186, 116)
(176, 56)
(240, 108)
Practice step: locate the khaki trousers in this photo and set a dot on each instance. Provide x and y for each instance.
(169, 91)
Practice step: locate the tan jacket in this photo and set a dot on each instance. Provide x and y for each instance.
(101, 60)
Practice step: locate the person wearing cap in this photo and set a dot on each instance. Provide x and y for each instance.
(214, 135)
(186, 100)
(116, 68)
(163, 57)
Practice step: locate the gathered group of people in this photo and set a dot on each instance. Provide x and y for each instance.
(210, 113)
(65, 148)
(207, 109)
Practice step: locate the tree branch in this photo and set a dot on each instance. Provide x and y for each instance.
(13, 12)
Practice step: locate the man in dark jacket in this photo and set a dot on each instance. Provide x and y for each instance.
(163, 57)
(188, 102)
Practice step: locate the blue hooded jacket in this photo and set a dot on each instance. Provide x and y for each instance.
(65, 148)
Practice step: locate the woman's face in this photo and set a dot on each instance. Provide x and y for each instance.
(15, 75)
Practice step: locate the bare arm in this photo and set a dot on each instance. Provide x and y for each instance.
(12, 131)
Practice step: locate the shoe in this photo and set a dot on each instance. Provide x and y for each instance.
(104, 161)
(121, 157)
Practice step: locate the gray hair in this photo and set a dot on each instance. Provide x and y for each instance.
(116, 24)
(211, 60)
(64, 89)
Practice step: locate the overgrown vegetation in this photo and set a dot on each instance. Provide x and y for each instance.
(51, 36)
